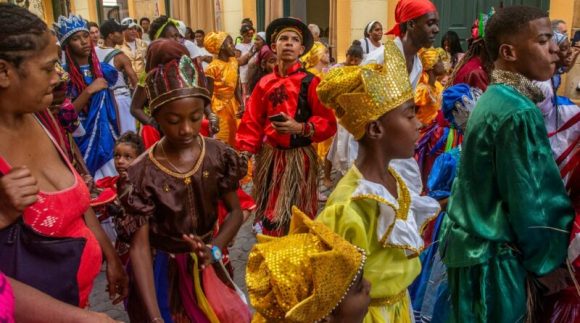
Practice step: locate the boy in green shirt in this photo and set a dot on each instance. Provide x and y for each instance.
(509, 215)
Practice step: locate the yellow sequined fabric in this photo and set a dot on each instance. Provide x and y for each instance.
(313, 56)
(361, 94)
(214, 40)
(303, 276)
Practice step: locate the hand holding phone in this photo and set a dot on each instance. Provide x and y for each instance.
(277, 118)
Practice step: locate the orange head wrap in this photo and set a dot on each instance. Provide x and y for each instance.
(408, 10)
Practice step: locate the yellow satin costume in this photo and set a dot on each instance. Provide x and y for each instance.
(365, 213)
(225, 80)
(428, 98)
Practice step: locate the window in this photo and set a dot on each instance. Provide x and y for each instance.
(113, 9)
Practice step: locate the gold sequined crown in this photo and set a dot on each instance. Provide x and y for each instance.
(304, 276)
(361, 94)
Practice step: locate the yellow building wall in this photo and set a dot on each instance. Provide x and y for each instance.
(354, 15)
(87, 9)
(232, 15)
(249, 11)
(562, 9)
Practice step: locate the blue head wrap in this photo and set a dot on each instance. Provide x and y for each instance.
(454, 94)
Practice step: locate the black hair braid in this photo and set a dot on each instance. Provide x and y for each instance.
(21, 33)
(155, 25)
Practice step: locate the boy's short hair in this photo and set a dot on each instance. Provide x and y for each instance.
(144, 19)
(200, 31)
(506, 22)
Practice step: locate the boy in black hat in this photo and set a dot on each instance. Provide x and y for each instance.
(283, 118)
(112, 33)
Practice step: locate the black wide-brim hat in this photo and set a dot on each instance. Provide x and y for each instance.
(279, 24)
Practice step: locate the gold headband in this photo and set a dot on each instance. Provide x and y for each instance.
(360, 95)
(294, 29)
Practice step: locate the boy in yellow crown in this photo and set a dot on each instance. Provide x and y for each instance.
(377, 205)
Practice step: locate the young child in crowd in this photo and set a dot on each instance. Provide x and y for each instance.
(380, 211)
(107, 205)
(310, 275)
(354, 55)
(509, 217)
(429, 89)
(223, 85)
(171, 206)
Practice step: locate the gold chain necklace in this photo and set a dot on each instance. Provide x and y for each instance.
(185, 175)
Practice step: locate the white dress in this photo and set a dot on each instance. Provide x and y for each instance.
(122, 94)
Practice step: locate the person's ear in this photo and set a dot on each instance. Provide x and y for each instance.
(411, 24)
(273, 48)
(5, 70)
(508, 52)
(302, 48)
(374, 130)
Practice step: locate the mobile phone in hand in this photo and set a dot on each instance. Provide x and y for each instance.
(277, 118)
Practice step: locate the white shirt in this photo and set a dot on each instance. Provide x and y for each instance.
(192, 48)
(244, 48)
(378, 57)
(371, 47)
(203, 52)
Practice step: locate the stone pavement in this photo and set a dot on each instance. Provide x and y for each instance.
(243, 243)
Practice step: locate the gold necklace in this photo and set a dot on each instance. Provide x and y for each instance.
(167, 159)
(186, 176)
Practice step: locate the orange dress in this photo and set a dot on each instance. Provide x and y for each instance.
(223, 102)
(428, 100)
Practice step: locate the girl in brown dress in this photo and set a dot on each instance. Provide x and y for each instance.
(170, 198)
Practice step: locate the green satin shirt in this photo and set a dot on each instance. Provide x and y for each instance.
(509, 214)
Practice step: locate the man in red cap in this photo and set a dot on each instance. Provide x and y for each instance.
(416, 27)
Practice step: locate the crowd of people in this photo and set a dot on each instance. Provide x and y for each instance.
(145, 145)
